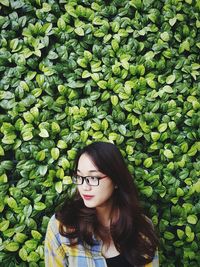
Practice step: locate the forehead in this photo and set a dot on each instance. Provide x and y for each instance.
(85, 164)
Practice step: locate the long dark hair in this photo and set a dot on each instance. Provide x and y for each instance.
(133, 233)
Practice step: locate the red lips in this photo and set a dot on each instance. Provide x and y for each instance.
(87, 197)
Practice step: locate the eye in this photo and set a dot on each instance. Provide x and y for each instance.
(93, 178)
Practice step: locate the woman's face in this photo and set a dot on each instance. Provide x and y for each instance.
(94, 196)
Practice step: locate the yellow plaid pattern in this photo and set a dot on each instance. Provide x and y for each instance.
(58, 253)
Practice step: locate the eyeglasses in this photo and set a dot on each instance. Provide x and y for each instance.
(90, 180)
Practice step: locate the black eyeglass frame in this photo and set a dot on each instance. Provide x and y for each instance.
(85, 178)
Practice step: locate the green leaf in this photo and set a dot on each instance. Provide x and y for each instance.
(37, 92)
(125, 64)
(79, 31)
(128, 86)
(188, 230)
(9, 139)
(36, 235)
(39, 206)
(104, 124)
(167, 89)
(162, 127)
(145, 128)
(99, 33)
(43, 133)
(114, 100)
(179, 192)
(123, 96)
(151, 83)
(184, 46)
(31, 244)
(27, 136)
(122, 129)
(172, 125)
(70, 10)
(82, 62)
(102, 84)
(33, 257)
(87, 55)
(95, 77)
(95, 6)
(71, 154)
(12, 203)
(192, 219)
(180, 233)
(61, 144)
(23, 254)
(55, 127)
(41, 155)
(136, 3)
(67, 180)
(42, 170)
(170, 79)
(2, 153)
(58, 187)
(147, 191)
(84, 136)
(3, 178)
(155, 136)
(12, 246)
(168, 154)
(86, 74)
(97, 21)
(196, 186)
(115, 45)
(172, 21)
(192, 151)
(96, 126)
(105, 95)
(165, 36)
(115, 26)
(55, 153)
(20, 238)
(168, 235)
(4, 225)
(5, 2)
(129, 150)
(97, 135)
(61, 24)
(60, 173)
(190, 239)
(148, 162)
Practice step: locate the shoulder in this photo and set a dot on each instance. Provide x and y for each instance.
(53, 223)
(53, 230)
(53, 227)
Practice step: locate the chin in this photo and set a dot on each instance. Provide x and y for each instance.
(89, 205)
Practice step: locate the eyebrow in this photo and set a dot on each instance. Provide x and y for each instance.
(90, 171)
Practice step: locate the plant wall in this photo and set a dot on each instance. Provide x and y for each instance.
(73, 72)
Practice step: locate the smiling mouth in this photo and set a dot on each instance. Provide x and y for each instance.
(87, 197)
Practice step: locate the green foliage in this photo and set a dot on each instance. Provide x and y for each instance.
(73, 72)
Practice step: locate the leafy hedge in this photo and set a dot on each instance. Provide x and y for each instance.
(77, 71)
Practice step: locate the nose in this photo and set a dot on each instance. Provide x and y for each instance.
(86, 186)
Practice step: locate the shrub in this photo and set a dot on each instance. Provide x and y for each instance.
(73, 72)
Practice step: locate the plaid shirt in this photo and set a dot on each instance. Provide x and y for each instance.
(58, 253)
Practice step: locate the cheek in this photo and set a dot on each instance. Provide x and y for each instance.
(106, 191)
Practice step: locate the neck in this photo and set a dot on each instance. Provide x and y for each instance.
(103, 215)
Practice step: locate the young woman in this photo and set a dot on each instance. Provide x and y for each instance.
(103, 225)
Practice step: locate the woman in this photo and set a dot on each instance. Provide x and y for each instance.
(103, 225)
